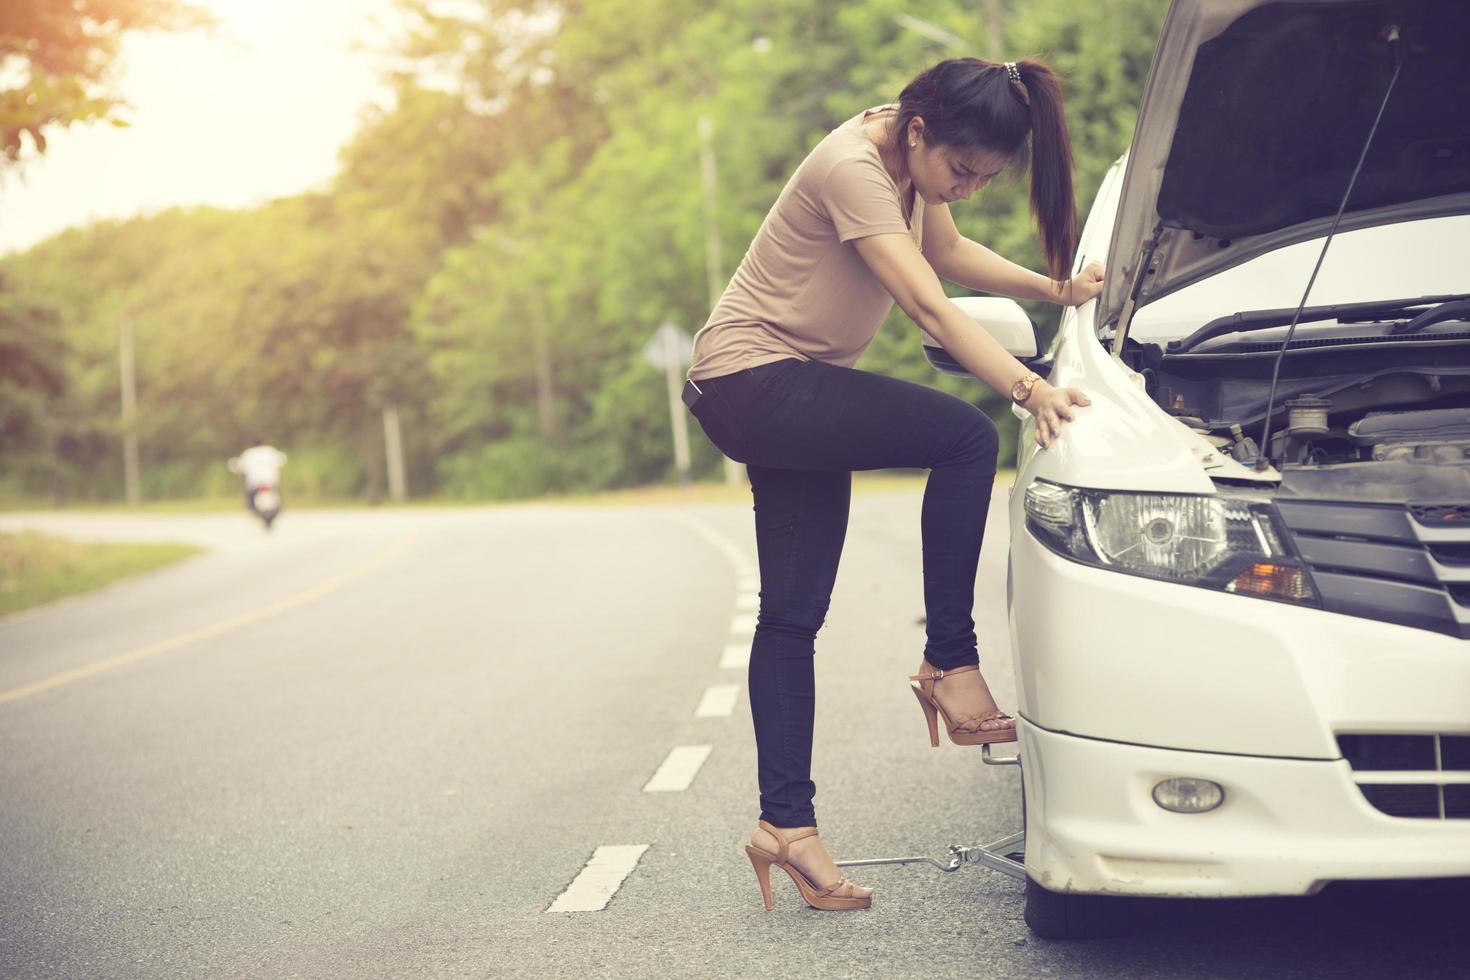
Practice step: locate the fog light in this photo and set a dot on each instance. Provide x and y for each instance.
(1189, 795)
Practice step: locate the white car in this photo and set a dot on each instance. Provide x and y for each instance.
(1243, 660)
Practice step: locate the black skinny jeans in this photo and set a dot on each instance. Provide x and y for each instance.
(801, 428)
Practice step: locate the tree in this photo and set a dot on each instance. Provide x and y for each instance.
(532, 198)
(63, 56)
(32, 377)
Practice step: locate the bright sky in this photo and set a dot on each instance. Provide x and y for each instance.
(255, 111)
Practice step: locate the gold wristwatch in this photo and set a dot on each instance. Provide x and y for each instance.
(1021, 390)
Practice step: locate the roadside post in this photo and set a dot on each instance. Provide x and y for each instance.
(670, 348)
(129, 392)
(714, 266)
(393, 450)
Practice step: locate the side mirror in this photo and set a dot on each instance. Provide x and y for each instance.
(1004, 320)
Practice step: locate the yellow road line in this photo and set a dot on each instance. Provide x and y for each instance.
(184, 639)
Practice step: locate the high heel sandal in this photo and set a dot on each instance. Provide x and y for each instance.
(923, 687)
(825, 899)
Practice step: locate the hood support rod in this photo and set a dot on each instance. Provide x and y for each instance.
(1145, 264)
(1391, 35)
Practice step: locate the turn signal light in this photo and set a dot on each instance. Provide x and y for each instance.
(1272, 581)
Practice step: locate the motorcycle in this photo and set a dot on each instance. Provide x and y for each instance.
(265, 501)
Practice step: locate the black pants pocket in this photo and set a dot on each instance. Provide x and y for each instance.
(722, 425)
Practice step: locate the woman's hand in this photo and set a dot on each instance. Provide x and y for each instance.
(1051, 407)
(1084, 286)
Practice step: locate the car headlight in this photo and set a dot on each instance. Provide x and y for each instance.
(1209, 540)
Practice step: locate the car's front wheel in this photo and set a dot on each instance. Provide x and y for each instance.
(1057, 915)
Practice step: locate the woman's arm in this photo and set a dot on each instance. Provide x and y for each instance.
(970, 264)
(912, 282)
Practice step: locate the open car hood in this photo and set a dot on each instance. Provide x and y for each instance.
(1253, 117)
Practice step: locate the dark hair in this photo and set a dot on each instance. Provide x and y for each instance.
(969, 103)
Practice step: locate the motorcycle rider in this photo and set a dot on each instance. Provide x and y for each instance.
(260, 469)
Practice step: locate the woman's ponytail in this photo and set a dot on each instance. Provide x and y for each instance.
(969, 102)
(1052, 200)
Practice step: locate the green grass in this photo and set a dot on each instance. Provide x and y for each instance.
(37, 568)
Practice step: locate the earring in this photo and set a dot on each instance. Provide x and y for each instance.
(913, 143)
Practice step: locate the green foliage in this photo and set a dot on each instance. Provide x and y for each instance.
(31, 372)
(320, 473)
(57, 59)
(516, 467)
(501, 244)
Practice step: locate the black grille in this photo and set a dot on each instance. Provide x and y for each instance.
(1457, 802)
(1389, 562)
(1451, 554)
(1384, 753)
(1426, 756)
(1441, 514)
(1404, 801)
(1454, 753)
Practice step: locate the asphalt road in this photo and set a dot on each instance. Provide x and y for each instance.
(384, 743)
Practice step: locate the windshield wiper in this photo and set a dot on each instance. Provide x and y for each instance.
(1441, 307)
(1455, 309)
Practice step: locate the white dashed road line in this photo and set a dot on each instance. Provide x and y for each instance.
(596, 884)
(678, 769)
(718, 701)
(611, 864)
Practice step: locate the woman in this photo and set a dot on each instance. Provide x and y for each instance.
(863, 222)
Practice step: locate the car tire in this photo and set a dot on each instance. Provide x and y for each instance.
(1056, 915)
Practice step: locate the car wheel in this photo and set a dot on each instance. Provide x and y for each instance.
(1055, 915)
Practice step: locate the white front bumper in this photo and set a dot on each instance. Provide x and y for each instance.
(1112, 656)
(1287, 826)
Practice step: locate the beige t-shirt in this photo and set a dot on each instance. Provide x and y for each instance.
(802, 290)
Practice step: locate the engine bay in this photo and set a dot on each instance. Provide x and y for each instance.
(1386, 424)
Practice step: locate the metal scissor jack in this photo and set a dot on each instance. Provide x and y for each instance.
(1005, 855)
